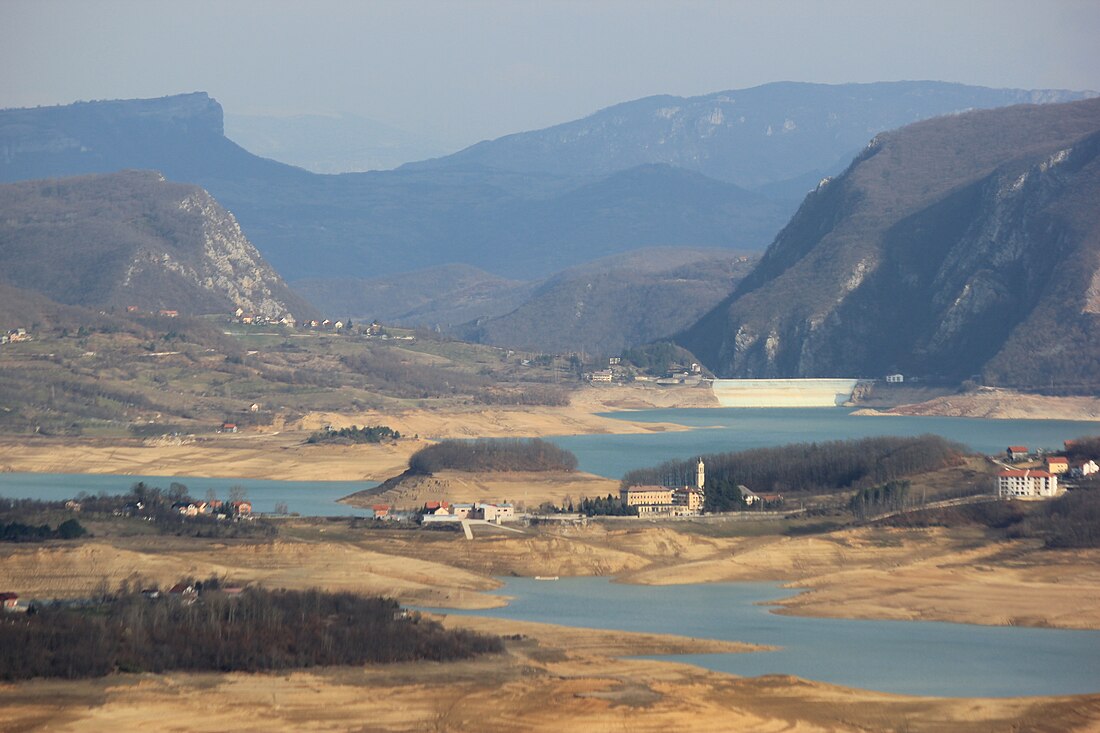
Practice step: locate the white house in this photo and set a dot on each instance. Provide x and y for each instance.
(496, 512)
(1014, 483)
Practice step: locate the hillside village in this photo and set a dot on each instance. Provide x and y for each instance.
(1037, 475)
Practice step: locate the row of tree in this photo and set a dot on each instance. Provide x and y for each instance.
(492, 454)
(891, 496)
(355, 434)
(817, 468)
(603, 506)
(16, 531)
(253, 631)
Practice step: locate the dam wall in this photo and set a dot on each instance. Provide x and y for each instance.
(783, 392)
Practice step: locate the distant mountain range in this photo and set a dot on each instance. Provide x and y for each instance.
(518, 219)
(656, 172)
(779, 138)
(965, 245)
(133, 239)
(515, 225)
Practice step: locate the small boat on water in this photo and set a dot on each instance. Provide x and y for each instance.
(546, 577)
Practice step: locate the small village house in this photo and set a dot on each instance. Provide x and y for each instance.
(1084, 469)
(496, 512)
(1017, 452)
(1057, 464)
(9, 601)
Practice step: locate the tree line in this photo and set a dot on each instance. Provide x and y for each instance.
(492, 454)
(16, 531)
(354, 434)
(256, 630)
(816, 468)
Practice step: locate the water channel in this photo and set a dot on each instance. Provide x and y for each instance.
(905, 657)
(719, 430)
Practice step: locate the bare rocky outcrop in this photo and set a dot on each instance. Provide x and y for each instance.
(966, 245)
(134, 239)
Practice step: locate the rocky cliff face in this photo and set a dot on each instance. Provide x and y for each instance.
(954, 247)
(132, 238)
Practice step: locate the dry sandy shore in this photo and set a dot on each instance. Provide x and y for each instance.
(927, 574)
(1001, 404)
(558, 679)
(282, 453)
(549, 680)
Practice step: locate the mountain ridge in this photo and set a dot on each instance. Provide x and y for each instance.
(519, 221)
(796, 127)
(932, 255)
(134, 239)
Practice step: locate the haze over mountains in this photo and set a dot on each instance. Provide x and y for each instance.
(781, 138)
(337, 143)
(965, 245)
(546, 239)
(512, 214)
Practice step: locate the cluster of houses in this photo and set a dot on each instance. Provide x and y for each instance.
(1040, 481)
(256, 319)
(215, 508)
(14, 336)
(442, 511)
(615, 372)
(662, 501)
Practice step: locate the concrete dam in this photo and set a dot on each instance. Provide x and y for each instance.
(783, 392)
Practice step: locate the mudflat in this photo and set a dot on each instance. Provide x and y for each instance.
(281, 451)
(556, 678)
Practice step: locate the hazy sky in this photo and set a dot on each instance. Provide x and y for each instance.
(463, 71)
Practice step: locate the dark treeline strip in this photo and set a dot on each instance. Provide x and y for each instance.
(354, 434)
(724, 495)
(1071, 520)
(253, 631)
(70, 529)
(604, 506)
(1083, 449)
(810, 467)
(487, 454)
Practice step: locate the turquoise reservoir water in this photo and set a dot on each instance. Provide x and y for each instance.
(308, 498)
(719, 430)
(905, 657)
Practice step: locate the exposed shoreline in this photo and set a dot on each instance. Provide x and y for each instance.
(281, 452)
